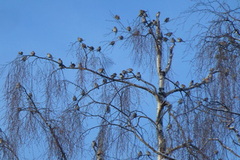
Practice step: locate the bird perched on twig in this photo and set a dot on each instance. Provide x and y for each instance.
(129, 28)
(101, 70)
(49, 55)
(115, 30)
(138, 75)
(117, 17)
(80, 39)
(99, 49)
(167, 19)
(72, 65)
(179, 40)
(20, 53)
(32, 53)
(169, 34)
(113, 75)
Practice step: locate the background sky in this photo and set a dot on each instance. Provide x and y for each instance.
(51, 26)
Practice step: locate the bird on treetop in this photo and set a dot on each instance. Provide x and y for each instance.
(144, 20)
(20, 53)
(173, 40)
(96, 85)
(24, 58)
(180, 40)
(60, 61)
(113, 75)
(167, 19)
(74, 98)
(49, 55)
(72, 65)
(32, 53)
(104, 81)
(84, 45)
(138, 75)
(91, 48)
(117, 17)
(112, 43)
(169, 34)
(120, 37)
(80, 39)
(140, 154)
(115, 30)
(129, 28)
(99, 49)
(101, 70)
(158, 14)
(130, 70)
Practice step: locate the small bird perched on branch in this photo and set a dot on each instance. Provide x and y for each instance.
(115, 30)
(117, 17)
(167, 19)
(49, 55)
(138, 75)
(32, 53)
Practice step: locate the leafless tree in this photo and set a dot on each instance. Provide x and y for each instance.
(106, 115)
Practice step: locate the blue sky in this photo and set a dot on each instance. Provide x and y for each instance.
(49, 26)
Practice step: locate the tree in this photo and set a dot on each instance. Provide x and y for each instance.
(104, 115)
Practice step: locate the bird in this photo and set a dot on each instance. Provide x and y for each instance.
(183, 86)
(108, 109)
(49, 55)
(60, 62)
(117, 17)
(115, 30)
(18, 85)
(142, 13)
(94, 144)
(179, 40)
(130, 70)
(80, 39)
(24, 58)
(80, 66)
(169, 34)
(112, 43)
(113, 75)
(191, 83)
(173, 40)
(180, 101)
(158, 14)
(32, 53)
(91, 48)
(101, 70)
(84, 45)
(72, 65)
(120, 37)
(129, 28)
(140, 154)
(167, 19)
(20, 53)
(99, 49)
(134, 115)
(96, 85)
(121, 76)
(124, 72)
(136, 33)
(148, 153)
(104, 81)
(138, 75)
(74, 98)
(144, 20)
(83, 93)
(165, 39)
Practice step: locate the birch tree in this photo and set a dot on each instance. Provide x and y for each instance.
(80, 109)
